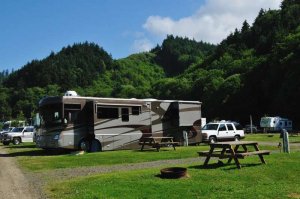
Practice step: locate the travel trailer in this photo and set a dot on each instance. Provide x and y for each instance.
(95, 124)
(276, 124)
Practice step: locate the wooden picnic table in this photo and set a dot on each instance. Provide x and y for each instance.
(231, 151)
(158, 142)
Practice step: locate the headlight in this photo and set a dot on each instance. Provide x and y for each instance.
(56, 137)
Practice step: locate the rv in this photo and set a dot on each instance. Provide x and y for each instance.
(276, 124)
(95, 124)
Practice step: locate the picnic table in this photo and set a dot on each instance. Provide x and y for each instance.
(230, 150)
(158, 142)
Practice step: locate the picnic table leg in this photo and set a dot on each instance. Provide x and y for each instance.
(157, 147)
(261, 157)
(174, 147)
(235, 150)
(236, 160)
(208, 155)
(173, 144)
(143, 146)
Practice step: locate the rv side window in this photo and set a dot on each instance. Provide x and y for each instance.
(72, 106)
(107, 113)
(136, 110)
(125, 114)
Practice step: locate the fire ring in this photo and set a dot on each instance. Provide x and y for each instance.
(173, 172)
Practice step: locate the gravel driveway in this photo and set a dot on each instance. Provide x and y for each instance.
(13, 183)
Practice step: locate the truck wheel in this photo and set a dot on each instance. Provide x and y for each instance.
(84, 145)
(16, 141)
(212, 139)
(5, 143)
(236, 138)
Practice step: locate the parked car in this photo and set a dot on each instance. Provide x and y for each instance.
(249, 127)
(5, 131)
(18, 135)
(222, 131)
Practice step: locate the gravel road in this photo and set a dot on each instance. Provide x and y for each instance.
(13, 182)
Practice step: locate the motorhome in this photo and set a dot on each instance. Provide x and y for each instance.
(95, 124)
(276, 124)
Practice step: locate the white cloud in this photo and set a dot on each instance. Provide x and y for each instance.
(212, 22)
(141, 45)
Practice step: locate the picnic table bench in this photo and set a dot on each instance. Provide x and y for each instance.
(158, 142)
(229, 150)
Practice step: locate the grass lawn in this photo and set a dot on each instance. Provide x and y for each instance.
(34, 159)
(279, 178)
(268, 137)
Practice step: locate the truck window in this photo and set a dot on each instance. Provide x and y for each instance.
(238, 126)
(222, 127)
(229, 127)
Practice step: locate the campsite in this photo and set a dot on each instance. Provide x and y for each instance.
(149, 99)
(135, 173)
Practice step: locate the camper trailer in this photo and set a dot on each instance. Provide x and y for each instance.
(276, 124)
(95, 124)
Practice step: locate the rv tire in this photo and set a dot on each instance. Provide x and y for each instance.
(95, 146)
(5, 143)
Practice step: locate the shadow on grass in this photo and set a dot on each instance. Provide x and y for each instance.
(154, 150)
(220, 164)
(295, 142)
(21, 146)
(39, 152)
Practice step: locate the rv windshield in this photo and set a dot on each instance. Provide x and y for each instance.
(51, 115)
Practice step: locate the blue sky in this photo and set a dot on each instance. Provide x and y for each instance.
(31, 29)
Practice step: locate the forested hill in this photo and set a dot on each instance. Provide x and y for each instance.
(254, 71)
(73, 66)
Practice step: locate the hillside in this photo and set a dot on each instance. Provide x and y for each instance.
(254, 71)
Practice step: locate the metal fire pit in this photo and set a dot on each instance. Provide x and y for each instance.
(173, 172)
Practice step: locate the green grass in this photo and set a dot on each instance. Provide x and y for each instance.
(278, 179)
(34, 159)
(267, 137)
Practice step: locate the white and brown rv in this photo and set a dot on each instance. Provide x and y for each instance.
(95, 124)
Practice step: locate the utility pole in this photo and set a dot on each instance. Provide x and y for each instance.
(251, 130)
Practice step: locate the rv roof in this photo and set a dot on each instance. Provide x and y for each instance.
(132, 99)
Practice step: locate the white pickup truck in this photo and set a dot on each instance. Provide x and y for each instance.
(18, 135)
(222, 131)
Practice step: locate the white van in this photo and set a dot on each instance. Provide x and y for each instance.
(222, 131)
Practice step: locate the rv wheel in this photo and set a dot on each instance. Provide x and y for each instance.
(95, 146)
(5, 143)
(16, 141)
(84, 145)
